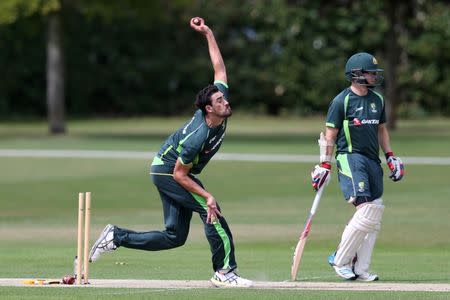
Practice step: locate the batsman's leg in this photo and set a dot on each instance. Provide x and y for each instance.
(364, 253)
(365, 220)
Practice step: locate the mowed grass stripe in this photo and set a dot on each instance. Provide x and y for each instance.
(265, 204)
(286, 158)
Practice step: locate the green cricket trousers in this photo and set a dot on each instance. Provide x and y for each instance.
(178, 206)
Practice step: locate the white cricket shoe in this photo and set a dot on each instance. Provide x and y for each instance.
(345, 272)
(367, 277)
(105, 243)
(230, 279)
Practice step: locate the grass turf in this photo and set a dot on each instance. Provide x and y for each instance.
(265, 204)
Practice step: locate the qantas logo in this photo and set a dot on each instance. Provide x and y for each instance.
(358, 122)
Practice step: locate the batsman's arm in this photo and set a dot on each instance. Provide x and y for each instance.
(320, 175)
(330, 137)
(383, 138)
(394, 163)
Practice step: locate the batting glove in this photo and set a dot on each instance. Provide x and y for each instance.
(395, 164)
(320, 175)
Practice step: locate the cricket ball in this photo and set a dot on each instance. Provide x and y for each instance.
(196, 21)
(68, 279)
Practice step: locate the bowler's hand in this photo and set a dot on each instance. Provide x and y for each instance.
(213, 212)
(198, 24)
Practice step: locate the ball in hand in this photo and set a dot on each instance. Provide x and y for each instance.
(196, 21)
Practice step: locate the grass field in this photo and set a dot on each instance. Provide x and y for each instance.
(265, 203)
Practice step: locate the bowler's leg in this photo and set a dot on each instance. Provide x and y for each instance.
(219, 237)
(177, 220)
(221, 243)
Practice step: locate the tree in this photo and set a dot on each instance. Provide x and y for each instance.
(52, 10)
(14, 9)
(55, 75)
(396, 19)
(283, 57)
(423, 76)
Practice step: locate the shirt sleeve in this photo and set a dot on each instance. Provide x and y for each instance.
(383, 112)
(335, 116)
(383, 116)
(223, 87)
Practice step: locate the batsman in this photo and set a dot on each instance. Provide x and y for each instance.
(356, 124)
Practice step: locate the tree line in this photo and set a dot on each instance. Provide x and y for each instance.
(87, 58)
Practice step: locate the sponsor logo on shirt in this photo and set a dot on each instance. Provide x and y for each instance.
(218, 142)
(359, 108)
(206, 151)
(358, 122)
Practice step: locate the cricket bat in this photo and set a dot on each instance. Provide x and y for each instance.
(304, 236)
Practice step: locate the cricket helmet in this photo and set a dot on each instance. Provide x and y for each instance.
(360, 63)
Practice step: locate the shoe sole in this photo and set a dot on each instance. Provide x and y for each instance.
(344, 277)
(367, 280)
(347, 279)
(330, 260)
(219, 284)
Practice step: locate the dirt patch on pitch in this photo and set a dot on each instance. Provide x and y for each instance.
(202, 284)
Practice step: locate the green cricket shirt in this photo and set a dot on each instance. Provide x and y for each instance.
(194, 143)
(357, 118)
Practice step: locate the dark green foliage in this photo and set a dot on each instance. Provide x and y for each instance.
(22, 65)
(142, 58)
